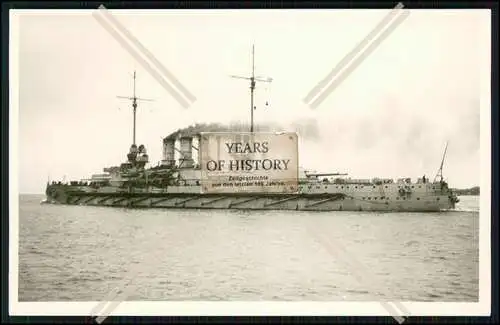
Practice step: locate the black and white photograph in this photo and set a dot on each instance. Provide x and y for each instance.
(250, 162)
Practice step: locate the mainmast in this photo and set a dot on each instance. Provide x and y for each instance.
(134, 100)
(253, 80)
(439, 173)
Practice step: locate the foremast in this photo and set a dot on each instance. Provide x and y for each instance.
(137, 156)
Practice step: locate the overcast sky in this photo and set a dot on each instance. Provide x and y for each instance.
(390, 118)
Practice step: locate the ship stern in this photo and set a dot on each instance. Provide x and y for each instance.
(448, 198)
(453, 199)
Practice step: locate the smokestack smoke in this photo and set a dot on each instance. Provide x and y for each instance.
(307, 129)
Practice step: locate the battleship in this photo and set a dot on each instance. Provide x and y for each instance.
(175, 182)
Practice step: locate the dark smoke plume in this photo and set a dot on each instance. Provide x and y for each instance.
(305, 128)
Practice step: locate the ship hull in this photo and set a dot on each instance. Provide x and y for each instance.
(249, 201)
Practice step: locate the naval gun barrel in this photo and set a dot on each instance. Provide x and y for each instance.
(326, 174)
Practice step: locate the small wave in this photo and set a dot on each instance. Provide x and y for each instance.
(331, 286)
(411, 243)
(165, 282)
(36, 251)
(471, 295)
(358, 291)
(83, 279)
(439, 257)
(434, 295)
(249, 290)
(462, 236)
(210, 297)
(113, 277)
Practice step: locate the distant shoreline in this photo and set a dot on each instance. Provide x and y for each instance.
(467, 191)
